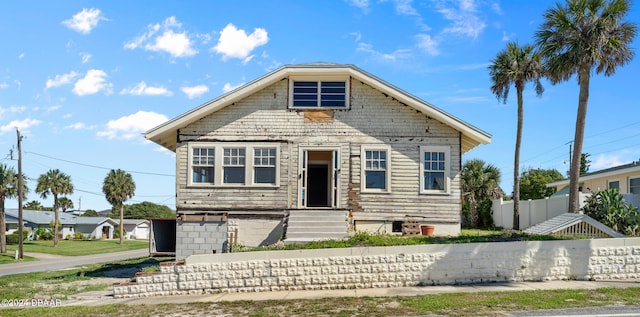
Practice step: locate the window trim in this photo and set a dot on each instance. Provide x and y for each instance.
(319, 80)
(613, 181)
(447, 169)
(363, 170)
(218, 170)
(629, 185)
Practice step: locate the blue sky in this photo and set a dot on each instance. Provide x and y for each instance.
(82, 80)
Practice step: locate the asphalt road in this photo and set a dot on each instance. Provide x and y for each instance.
(64, 262)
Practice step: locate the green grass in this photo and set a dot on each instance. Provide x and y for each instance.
(10, 257)
(455, 304)
(46, 284)
(362, 239)
(80, 247)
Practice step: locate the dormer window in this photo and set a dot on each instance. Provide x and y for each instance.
(319, 94)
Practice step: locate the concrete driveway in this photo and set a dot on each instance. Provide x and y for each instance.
(49, 262)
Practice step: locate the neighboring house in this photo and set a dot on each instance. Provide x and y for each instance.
(135, 228)
(625, 178)
(94, 227)
(306, 152)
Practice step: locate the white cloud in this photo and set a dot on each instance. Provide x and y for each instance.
(85, 20)
(12, 109)
(228, 87)
(60, 80)
(404, 7)
(85, 57)
(132, 126)
(4, 85)
(428, 44)
(362, 4)
(463, 15)
(21, 56)
(606, 161)
(53, 108)
(94, 81)
(235, 43)
(393, 56)
(20, 124)
(80, 126)
(195, 91)
(168, 38)
(141, 89)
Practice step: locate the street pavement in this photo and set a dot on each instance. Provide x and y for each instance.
(53, 263)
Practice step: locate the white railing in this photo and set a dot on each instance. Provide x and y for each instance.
(532, 212)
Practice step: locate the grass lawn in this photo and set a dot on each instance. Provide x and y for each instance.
(10, 257)
(80, 247)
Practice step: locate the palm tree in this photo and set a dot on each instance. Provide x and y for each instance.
(8, 189)
(65, 203)
(33, 205)
(479, 181)
(54, 183)
(516, 65)
(575, 39)
(118, 186)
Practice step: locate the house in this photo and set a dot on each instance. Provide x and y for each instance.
(90, 227)
(625, 178)
(135, 228)
(310, 152)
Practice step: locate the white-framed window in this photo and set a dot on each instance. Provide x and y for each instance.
(202, 165)
(634, 186)
(614, 184)
(435, 164)
(375, 169)
(324, 93)
(233, 164)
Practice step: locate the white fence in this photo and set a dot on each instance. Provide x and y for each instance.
(532, 212)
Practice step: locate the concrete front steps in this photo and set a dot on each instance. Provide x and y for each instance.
(305, 225)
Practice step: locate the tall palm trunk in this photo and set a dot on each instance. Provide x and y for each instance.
(574, 172)
(56, 223)
(3, 226)
(516, 160)
(121, 224)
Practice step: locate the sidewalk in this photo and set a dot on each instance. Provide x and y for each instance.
(106, 297)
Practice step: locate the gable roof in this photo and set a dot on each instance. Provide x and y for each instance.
(567, 220)
(166, 133)
(607, 172)
(45, 217)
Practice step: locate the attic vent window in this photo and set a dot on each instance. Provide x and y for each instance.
(330, 94)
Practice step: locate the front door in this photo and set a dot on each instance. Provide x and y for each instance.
(319, 178)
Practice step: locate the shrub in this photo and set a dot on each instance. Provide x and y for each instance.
(608, 206)
(43, 234)
(78, 236)
(13, 238)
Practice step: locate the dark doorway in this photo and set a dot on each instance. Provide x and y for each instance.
(318, 185)
(105, 232)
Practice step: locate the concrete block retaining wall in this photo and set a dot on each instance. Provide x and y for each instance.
(380, 267)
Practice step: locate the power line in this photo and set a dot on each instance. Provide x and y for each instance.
(98, 167)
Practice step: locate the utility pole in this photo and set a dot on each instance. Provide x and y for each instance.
(20, 194)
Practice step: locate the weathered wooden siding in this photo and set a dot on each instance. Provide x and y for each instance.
(373, 118)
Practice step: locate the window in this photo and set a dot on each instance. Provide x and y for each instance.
(375, 169)
(202, 162)
(434, 169)
(614, 185)
(234, 159)
(330, 94)
(238, 164)
(634, 186)
(264, 164)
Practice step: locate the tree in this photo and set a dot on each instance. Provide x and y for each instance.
(65, 203)
(147, 210)
(8, 189)
(33, 205)
(90, 213)
(516, 65)
(118, 187)
(480, 181)
(533, 183)
(54, 183)
(575, 39)
(585, 163)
